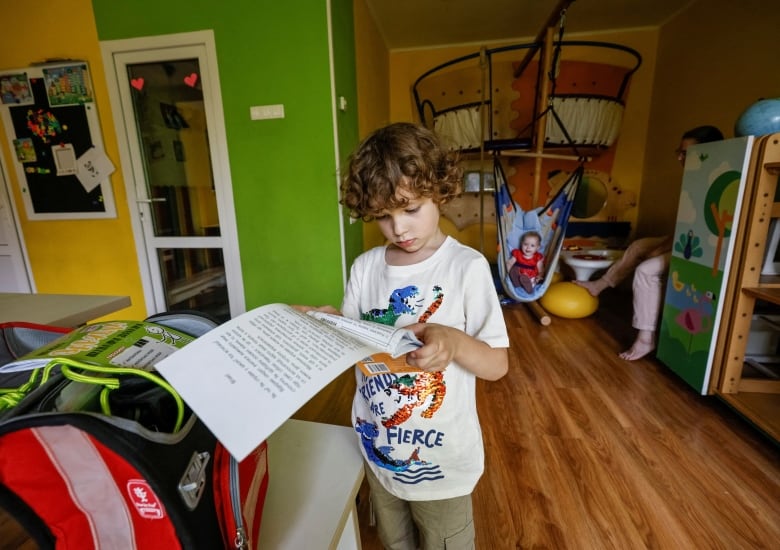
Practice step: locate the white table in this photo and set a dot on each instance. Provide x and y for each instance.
(314, 473)
(60, 310)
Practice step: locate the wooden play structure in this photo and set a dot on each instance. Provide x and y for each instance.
(548, 100)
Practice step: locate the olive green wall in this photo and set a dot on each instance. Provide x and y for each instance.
(284, 171)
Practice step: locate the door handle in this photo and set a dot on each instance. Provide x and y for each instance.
(149, 201)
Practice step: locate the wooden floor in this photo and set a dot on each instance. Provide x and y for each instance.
(586, 451)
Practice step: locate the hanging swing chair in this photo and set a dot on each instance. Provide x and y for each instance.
(546, 106)
(548, 221)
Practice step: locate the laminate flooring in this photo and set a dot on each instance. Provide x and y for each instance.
(587, 451)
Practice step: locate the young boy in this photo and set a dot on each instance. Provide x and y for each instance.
(526, 265)
(419, 432)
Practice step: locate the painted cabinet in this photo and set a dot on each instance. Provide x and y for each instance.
(707, 229)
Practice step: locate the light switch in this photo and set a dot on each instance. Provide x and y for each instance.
(262, 112)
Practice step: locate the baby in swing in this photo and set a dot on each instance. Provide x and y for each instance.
(526, 265)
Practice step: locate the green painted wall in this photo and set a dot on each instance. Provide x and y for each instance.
(284, 170)
(346, 119)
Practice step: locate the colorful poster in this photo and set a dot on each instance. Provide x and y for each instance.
(68, 85)
(25, 150)
(15, 89)
(708, 211)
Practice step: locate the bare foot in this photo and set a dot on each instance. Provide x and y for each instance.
(644, 344)
(594, 287)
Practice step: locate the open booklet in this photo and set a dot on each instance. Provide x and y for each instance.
(138, 344)
(247, 376)
(392, 344)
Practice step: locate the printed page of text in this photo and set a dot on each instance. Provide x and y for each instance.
(250, 374)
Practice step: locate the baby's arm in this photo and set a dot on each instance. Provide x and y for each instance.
(446, 344)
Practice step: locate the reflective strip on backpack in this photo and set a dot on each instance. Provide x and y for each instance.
(91, 485)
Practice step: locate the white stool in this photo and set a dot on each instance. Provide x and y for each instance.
(588, 261)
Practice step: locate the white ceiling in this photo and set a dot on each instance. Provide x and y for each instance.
(428, 23)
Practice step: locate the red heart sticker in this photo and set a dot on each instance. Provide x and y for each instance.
(191, 80)
(137, 83)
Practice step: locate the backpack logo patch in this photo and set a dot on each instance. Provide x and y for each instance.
(145, 501)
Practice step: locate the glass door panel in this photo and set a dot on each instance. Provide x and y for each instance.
(183, 219)
(194, 279)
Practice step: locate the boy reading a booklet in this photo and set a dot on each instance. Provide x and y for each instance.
(418, 431)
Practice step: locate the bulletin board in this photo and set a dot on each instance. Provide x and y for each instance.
(53, 132)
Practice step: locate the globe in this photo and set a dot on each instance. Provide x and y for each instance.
(761, 118)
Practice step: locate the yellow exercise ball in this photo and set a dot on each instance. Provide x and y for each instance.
(568, 300)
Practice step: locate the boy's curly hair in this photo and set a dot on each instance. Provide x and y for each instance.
(399, 155)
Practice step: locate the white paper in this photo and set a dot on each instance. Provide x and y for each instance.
(93, 167)
(397, 341)
(64, 159)
(247, 376)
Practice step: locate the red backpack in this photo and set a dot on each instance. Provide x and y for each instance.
(87, 480)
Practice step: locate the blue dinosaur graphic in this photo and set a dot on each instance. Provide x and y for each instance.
(381, 455)
(401, 301)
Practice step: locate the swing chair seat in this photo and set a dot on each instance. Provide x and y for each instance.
(550, 221)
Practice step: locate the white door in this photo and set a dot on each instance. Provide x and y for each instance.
(168, 110)
(15, 275)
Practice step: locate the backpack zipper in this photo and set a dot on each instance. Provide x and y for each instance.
(239, 540)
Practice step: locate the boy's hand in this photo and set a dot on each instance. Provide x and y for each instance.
(438, 348)
(443, 345)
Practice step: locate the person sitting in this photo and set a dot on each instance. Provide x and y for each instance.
(526, 265)
(648, 260)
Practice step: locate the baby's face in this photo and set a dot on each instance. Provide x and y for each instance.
(529, 246)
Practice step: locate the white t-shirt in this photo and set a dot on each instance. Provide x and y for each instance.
(419, 432)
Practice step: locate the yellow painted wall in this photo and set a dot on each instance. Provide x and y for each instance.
(372, 62)
(373, 72)
(715, 59)
(73, 256)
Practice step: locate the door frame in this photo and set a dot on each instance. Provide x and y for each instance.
(219, 156)
(18, 251)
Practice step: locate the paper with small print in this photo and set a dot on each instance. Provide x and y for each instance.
(246, 377)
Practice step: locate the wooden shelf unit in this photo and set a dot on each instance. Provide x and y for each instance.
(756, 398)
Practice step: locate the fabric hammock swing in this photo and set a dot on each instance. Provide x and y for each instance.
(549, 221)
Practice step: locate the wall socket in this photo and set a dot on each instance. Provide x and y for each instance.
(262, 112)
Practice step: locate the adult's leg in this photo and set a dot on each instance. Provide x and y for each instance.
(648, 287)
(637, 252)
